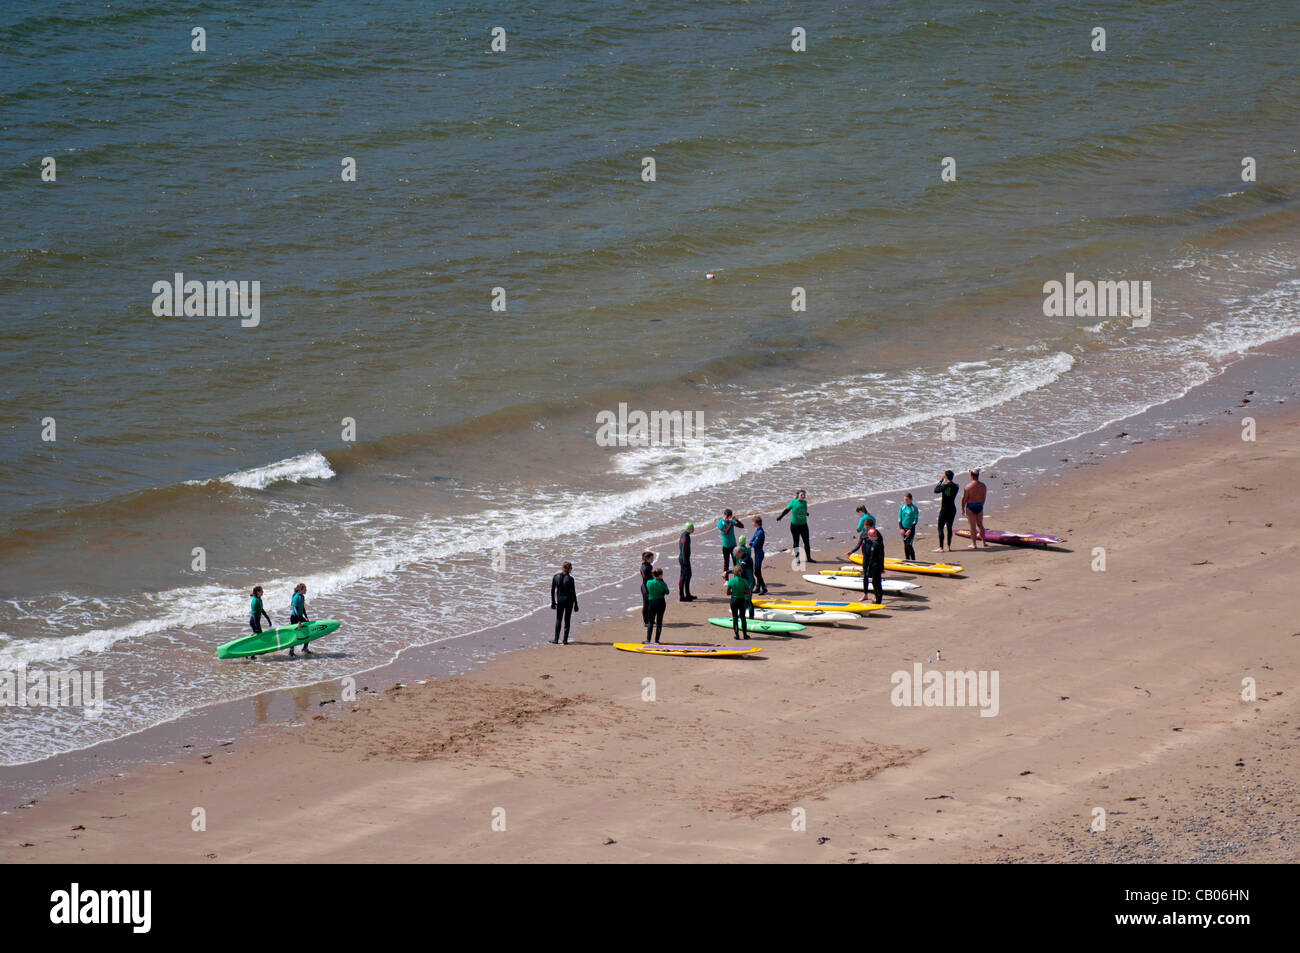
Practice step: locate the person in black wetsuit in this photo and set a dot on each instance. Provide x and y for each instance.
(564, 600)
(647, 573)
(684, 564)
(758, 541)
(872, 544)
(947, 509)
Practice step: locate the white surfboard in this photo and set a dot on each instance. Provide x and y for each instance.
(806, 618)
(855, 582)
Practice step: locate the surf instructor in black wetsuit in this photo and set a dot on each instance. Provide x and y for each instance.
(872, 545)
(564, 600)
(947, 509)
(684, 564)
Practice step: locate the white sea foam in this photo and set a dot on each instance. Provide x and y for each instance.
(795, 422)
(306, 466)
(732, 454)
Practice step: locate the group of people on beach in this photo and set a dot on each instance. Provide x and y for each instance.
(742, 559)
(297, 613)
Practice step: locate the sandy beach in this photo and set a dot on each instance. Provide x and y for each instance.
(1120, 690)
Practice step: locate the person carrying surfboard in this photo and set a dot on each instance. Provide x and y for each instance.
(298, 613)
(257, 610)
(757, 541)
(727, 530)
(947, 509)
(972, 505)
(658, 590)
(684, 565)
(738, 588)
(798, 510)
(907, 517)
(564, 600)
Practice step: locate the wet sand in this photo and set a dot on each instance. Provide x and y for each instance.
(1118, 689)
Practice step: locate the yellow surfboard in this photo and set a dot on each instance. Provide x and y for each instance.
(697, 651)
(806, 604)
(916, 566)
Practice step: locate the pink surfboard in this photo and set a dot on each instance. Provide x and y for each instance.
(1015, 539)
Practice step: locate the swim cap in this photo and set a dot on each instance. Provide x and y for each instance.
(690, 527)
(740, 541)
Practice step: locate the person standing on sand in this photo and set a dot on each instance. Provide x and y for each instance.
(907, 517)
(758, 540)
(564, 600)
(798, 510)
(864, 517)
(738, 588)
(658, 590)
(947, 508)
(872, 544)
(972, 504)
(745, 567)
(727, 530)
(647, 572)
(684, 564)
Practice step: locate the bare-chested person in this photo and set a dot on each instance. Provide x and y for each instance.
(972, 505)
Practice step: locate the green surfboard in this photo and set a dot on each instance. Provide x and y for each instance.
(273, 640)
(758, 625)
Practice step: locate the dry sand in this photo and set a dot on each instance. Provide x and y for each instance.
(1119, 690)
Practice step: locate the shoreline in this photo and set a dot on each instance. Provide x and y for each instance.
(1129, 704)
(241, 721)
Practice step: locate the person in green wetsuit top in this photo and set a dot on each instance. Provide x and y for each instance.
(298, 613)
(727, 530)
(798, 510)
(742, 545)
(863, 515)
(256, 611)
(657, 589)
(907, 517)
(738, 588)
